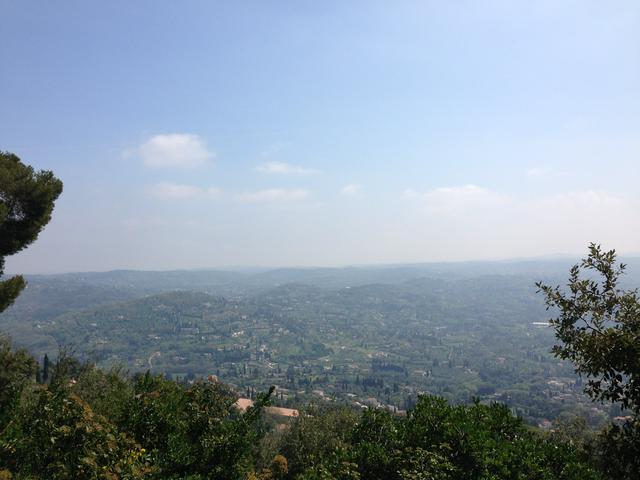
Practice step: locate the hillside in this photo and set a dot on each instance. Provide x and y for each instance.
(459, 336)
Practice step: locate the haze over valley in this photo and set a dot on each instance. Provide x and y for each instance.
(359, 336)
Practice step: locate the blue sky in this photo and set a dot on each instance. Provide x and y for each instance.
(212, 134)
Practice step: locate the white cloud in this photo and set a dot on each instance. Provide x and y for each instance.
(178, 150)
(351, 190)
(455, 199)
(273, 195)
(281, 168)
(170, 190)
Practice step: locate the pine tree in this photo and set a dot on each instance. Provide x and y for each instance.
(26, 202)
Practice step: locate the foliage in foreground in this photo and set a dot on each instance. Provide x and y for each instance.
(434, 441)
(87, 423)
(598, 329)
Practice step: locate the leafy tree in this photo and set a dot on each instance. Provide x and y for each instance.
(598, 327)
(194, 431)
(616, 450)
(376, 439)
(57, 435)
(435, 441)
(17, 368)
(482, 442)
(65, 369)
(26, 201)
(317, 441)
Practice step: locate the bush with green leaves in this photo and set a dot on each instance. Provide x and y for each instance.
(17, 369)
(435, 441)
(192, 431)
(55, 434)
(319, 440)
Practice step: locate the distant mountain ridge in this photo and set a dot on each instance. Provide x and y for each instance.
(233, 282)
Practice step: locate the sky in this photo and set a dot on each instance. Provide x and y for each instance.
(204, 134)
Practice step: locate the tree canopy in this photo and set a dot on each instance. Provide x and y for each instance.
(27, 199)
(598, 327)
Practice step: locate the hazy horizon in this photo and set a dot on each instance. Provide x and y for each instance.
(541, 259)
(203, 135)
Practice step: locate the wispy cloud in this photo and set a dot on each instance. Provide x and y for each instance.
(170, 190)
(281, 168)
(174, 150)
(273, 195)
(451, 199)
(351, 190)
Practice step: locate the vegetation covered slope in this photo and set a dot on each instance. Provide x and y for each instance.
(375, 344)
(87, 423)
